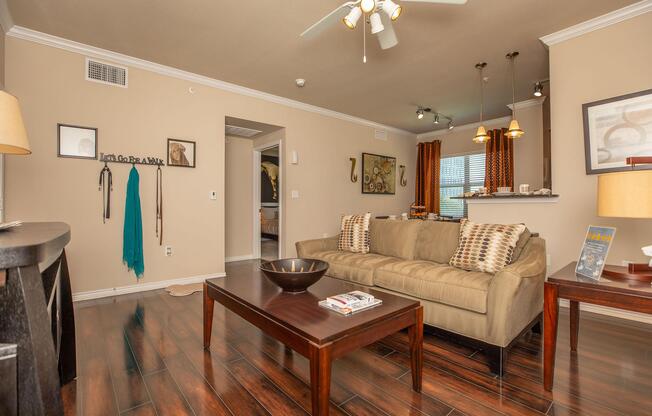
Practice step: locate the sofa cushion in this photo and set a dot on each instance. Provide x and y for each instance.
(354, 233)
(437, 241)
(354, 267)
(486, 247)
(437, 283)
(394, 238)
(520, 245)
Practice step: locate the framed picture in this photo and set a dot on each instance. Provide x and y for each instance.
(76, 141)
(181, 153)
(378, 174)
(617, 128)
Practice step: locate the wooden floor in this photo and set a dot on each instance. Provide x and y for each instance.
(142, 355)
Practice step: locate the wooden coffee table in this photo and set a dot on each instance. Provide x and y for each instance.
(314, 332)
(622, 294)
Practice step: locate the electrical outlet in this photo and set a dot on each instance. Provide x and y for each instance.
(168, 251)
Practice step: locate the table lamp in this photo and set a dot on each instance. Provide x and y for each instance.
(13, 137)
(628, 195)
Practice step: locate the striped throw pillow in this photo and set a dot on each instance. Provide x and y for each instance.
(486, 247)
(354, 233)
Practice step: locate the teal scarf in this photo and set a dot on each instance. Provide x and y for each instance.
(132, 246)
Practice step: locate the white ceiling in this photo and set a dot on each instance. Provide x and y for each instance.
(255, 43)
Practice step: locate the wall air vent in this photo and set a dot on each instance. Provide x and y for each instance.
(104, 73)
(241, 131)
(380, 134)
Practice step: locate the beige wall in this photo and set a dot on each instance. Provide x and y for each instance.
(582, 70)
(2, 58)
(606, 63)
(238, 196)
(138, 120)
(528, 151)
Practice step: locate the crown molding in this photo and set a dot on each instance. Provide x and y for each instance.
(533, 102)
(23, 33)
(6, 21)
(597, 23)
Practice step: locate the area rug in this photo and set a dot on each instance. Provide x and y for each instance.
(184, 290)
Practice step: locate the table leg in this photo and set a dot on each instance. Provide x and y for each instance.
(550, 319)
(209, 304)
(320, 378)
(574, 323)
(415, 334)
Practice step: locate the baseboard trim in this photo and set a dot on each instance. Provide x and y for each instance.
(141, 287)
(239, 258)
(616, 313)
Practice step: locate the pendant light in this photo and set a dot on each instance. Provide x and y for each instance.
(481, 135)
(514, 129)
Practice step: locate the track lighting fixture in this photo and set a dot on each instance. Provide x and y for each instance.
(376, 24)
(436, 119)
(538, 89)
(514, 131)
(368, 6)
(450, 125)
(481, 135)
(392, 9)
(351, 19)
(420, 114)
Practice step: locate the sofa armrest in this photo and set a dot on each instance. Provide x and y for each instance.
(516, 294)
(307, 248)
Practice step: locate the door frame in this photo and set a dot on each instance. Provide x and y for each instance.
(257, 152)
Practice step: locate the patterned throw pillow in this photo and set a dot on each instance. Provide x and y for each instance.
(354, 235)
(485, 247)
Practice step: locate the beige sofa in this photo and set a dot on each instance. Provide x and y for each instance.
(410, 258)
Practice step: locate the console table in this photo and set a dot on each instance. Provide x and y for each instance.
(622, 294)
(36, 312)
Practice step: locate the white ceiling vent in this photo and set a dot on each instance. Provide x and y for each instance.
(104, 73)
(241, 131)
(380, 135)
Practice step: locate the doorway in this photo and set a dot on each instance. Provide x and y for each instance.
(253, 190)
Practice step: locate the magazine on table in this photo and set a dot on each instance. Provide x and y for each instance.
(351, 302)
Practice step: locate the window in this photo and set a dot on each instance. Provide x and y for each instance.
(459, 174)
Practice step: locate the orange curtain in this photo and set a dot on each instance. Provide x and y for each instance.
(427, 187)
(499, 165)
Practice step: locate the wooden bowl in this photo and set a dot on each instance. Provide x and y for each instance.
(294, 275)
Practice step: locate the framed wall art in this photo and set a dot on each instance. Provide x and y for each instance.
(181, 153)
(615, 129)
(76, 141)
(378, 174)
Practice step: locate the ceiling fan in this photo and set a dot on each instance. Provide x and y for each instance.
(381, 14)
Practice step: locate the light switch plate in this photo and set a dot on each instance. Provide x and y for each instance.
(295, 194)
(212, 195)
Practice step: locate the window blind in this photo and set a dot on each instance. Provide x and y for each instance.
(459, 174)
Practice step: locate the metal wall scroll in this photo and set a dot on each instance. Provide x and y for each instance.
(354, 176)
(403, 180)
(146, 160)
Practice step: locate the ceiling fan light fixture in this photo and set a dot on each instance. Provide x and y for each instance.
(392, 9)
(351, 19)
(376, 24)
(368, 6)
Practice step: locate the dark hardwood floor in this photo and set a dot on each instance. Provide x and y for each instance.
(142, 354)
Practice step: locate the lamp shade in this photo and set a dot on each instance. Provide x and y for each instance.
(625, 194)
(13, 137)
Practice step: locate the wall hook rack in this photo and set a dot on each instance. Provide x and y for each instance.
(133, 160)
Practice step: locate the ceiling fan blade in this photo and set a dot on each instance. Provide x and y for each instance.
(387, 37)
(328, 20)
(437, 1)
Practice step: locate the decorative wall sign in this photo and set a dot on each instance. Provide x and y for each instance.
(402, 180)
(379, 174)
(181, 153)
(145, 160)
(76, 141)
(615, 129)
